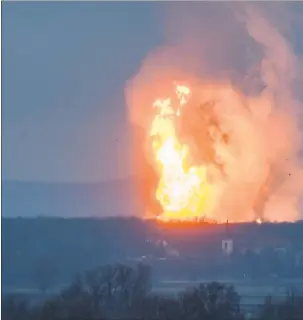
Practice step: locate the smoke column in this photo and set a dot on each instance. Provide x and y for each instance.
(243, 121)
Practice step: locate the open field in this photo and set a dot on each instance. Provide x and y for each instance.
(252, 293)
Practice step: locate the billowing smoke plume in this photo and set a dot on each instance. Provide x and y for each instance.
(243, 119)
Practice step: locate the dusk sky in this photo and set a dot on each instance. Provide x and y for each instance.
(64, 70)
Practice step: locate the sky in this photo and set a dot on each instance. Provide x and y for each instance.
(64, 68)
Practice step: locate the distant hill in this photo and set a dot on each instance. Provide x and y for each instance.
(112, 198)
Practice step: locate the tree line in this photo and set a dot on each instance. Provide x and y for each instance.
(119, 291)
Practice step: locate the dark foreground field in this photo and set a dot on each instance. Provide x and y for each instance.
(118, 291)
(41, 256)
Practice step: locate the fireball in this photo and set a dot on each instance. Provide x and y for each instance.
(219, 144)
(183, 190)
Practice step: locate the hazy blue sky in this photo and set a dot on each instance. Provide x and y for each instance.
(64, 70)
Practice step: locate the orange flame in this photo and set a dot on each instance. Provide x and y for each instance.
(259, 221)
(183, 190)
(226, 147)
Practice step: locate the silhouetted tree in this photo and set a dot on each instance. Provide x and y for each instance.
(122, 292)
(15, 308)
(210, 301)
(74, 302)
(118, 287)
(110, 290)
(140, 284)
